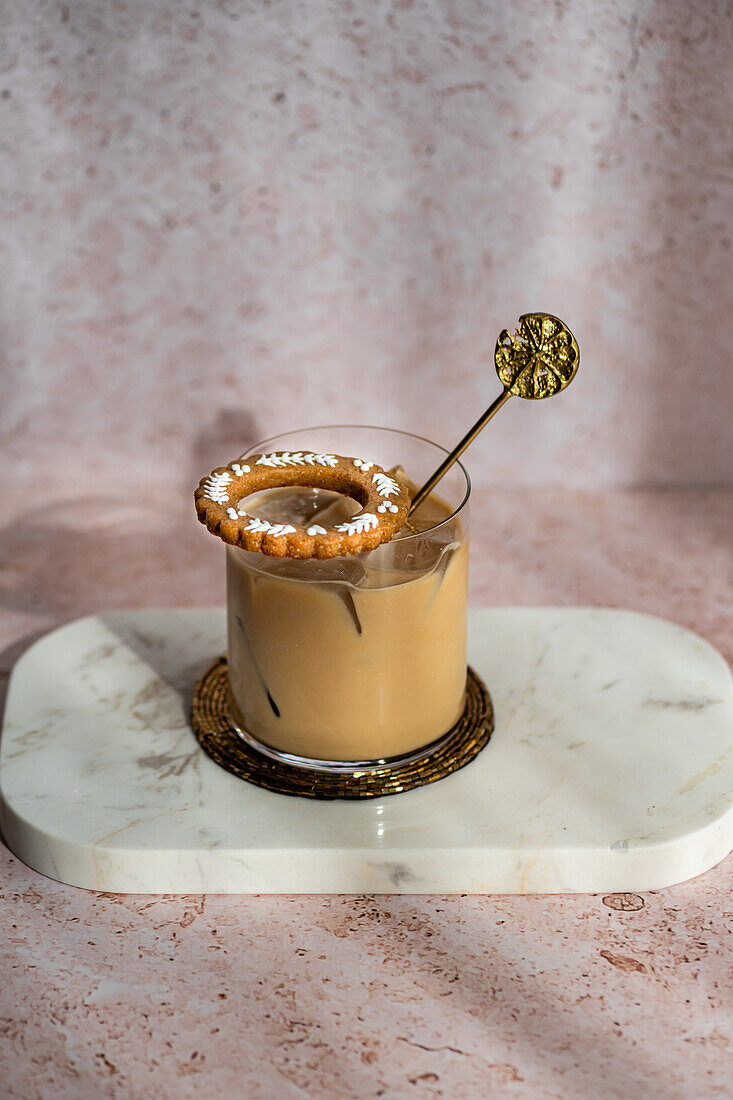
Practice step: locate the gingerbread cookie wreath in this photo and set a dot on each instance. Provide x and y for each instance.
(385, 504)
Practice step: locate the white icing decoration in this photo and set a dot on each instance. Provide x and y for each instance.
(357, 526)
(270, 528)
(316, 530)
(215, 487)
(386, 485)
(297, 458)
(362, 465)
(232, 513)
(239, 470)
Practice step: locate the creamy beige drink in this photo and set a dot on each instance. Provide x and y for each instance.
(354, 658)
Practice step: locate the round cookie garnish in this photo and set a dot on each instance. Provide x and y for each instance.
(540, 359)
(385, 503)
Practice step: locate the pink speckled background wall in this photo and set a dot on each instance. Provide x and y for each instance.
(222, 220)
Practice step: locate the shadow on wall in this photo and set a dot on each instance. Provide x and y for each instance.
(225, 436)
(87, 556)
(678, 95)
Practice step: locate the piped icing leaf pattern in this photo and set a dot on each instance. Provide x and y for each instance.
(359, 525)
(264, 526)
(386, 485)
(215, 487)
(221, 504)
(540, 359)
(297, 458)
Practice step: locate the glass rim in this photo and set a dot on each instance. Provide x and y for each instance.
(261, 445)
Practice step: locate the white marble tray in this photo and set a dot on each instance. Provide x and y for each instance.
(610, 769)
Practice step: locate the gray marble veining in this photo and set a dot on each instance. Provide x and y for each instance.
(610, 768)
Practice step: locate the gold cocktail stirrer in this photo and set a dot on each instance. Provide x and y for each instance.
(539, 360)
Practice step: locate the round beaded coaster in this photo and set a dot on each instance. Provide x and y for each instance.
(218, 737)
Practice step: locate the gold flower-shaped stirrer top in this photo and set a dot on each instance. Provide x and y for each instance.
(539, 360)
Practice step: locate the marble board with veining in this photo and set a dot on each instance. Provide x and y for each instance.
(610, 768)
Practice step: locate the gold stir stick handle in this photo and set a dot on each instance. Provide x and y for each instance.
(448, 461)
(539, 360)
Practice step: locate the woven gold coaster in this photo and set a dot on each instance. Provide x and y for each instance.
(218, 737)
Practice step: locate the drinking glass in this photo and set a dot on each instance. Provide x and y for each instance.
(359, 661)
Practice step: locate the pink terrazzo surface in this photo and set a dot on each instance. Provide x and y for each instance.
(268, 997)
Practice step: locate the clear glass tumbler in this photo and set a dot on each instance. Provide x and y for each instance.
(346, 664)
